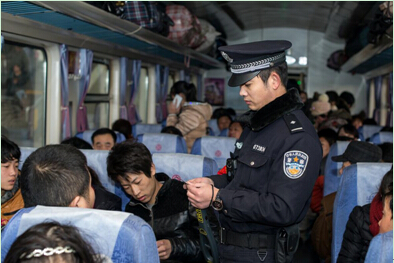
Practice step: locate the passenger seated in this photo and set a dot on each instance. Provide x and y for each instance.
(235, 129)
(103, 139)
(386, 222)
(171, 130)
(355, 152)
(52, 242)
(190, 117)
(224, 121)
(123, 126)
(104, 200)
(78, 143)
(363, 224)
(57, 175)
(347, 132)
(11, 198)
(387, 152)
(159, 200)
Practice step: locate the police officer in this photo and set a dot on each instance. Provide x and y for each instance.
(270, 178)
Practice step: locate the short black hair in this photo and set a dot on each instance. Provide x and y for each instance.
(102, 131)
(348, 97)
(171, 130)
(348, 128)
(124, 127)
(51, 235)
(329, 134)
(9, 150)
(54, 175)
(281, 70)
(129, 157)
(188, 89)
(78, 143)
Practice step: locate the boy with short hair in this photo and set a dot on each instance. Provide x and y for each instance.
(159, 200)
(57, 175)
(11, 198)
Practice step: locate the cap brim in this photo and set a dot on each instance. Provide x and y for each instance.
(339, 158)
(239, 79)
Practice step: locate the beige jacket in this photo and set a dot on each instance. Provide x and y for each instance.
(192, 121)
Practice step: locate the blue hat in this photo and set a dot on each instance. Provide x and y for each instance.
(247, 60)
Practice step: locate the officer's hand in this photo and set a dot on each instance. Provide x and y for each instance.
(200, 194)
(164, 248)
(205, 180)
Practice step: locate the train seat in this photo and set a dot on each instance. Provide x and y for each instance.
(183, 166)
(213, 127)
(163, 142)
(87, 136)
(366, 131)
(381, 137)
(331, 173)
(131, 239)
(141, 128)
(358, 185)
(224, 133)
(380, 249)
(97, 160)
(25, 152)
(215, 147)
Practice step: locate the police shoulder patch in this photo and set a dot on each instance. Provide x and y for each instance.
(294, 164)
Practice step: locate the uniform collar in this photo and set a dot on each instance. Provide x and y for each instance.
(282, 105)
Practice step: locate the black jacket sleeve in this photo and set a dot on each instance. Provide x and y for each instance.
(356, 237)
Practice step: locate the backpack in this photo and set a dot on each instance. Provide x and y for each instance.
(148, 14)
(381, 23)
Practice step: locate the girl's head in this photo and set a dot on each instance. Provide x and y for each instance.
(187, 91)
(386, 192)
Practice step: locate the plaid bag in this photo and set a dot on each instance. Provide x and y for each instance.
(150, 15)
(187, 29)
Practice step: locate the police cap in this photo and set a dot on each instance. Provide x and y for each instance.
(247, 60)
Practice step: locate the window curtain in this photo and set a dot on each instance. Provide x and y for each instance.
(133, 116)
(86, 60)
(2, 42)
(389, 120)
(161, 92)
(199, 87)
(123, 87)
(369, 81)
(65, 119)
(378, 94)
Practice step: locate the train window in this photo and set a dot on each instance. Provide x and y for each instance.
(142, 95)
(99, 81)
(23, 90)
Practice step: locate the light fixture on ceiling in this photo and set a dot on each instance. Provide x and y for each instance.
(303, 61)
(289, 59)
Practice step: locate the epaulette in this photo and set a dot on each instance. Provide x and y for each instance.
(293, 123)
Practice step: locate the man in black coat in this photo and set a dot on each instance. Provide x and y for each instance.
(267, 190)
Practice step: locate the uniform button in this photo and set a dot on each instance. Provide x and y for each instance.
(252, 163)
(225, 211)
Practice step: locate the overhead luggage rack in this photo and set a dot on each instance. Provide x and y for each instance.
(100, 31)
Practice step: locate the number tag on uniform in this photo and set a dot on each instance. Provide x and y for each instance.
(294, 164)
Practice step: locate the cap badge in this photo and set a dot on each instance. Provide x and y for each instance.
(294, 164)
(227, 57)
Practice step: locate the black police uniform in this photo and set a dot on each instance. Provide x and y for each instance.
(277, 163)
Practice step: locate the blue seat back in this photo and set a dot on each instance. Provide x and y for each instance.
(366, 131)
(213, 125)
(87, 136)
(141, 128)
(224, 133)
(25, 152)
(215, 147)
(97, 160)
(183, 166)
(380, 249)
(358, 186)
(381, 137)
(120, 236)
(163, 142)
(331, 173)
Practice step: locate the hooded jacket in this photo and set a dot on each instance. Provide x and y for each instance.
(192, 121)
